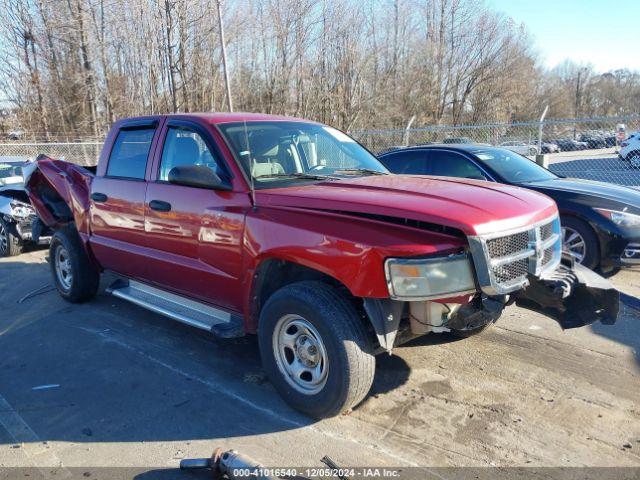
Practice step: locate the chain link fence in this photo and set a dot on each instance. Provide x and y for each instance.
(568, 135)
(82, 153)
(583, 148)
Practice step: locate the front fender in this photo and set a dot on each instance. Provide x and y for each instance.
(351, 251)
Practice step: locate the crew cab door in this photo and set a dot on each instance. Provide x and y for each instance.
(117, 197)
(194, 235)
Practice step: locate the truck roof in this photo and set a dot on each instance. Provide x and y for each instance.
(224, 117)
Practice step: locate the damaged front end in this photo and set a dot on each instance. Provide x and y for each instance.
(20, 218)
(525, 267)
(572, 295)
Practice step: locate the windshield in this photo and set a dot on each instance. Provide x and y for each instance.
(298, 151)
(8, 170)
(512, 167)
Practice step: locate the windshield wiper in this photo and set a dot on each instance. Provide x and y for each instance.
(306, 176)
(356, 171)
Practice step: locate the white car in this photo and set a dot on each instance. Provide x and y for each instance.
(630, 150)
(11, 170)
(523, 148)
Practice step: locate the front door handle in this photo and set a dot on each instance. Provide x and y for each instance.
(160, 206)
(99, 197)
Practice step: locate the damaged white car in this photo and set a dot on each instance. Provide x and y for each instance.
(19, 224)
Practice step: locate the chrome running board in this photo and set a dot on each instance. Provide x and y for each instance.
(179, 308)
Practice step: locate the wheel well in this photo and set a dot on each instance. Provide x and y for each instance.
(273, 274)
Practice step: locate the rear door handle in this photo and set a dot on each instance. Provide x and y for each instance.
(160, 206)
(99, 197)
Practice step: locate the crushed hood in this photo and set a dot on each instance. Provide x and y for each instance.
(474, 207)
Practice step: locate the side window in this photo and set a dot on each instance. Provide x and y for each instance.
(128, 157)
(451, 164)
(183, 146)
(410, 162)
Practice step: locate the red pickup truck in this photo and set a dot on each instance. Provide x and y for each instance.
(245, 223)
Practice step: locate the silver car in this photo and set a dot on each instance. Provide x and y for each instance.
(19, 224)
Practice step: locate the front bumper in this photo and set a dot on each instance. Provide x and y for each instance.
(26, 229)
(572, 295)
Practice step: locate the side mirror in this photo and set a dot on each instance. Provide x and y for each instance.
(197, 176)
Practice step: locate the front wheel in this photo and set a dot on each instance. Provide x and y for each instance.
(580, 241)
(9, 244)
(75, 277)
(315, 349)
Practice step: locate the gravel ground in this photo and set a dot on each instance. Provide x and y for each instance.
(120, 386)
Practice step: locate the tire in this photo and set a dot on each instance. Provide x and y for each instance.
(590, 257)
(75, 277)
(345, 374)
(533, 152)
(472, 332)
(10, 245)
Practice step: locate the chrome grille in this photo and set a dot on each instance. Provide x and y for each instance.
(548, 255)
(546, 231)
(503, 246)
(503, 262)
(511, 271)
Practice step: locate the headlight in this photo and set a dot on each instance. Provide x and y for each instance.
(429, 278)
(622, 219)
(20, 209)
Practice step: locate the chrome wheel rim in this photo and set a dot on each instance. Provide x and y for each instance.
(64, 272)
(574, 244)
(635, 160)
(300, 354)
(4, 242)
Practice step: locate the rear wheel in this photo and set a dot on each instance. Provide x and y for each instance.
(580, 241)
(75, 277)
(315, 349)
(9, 243)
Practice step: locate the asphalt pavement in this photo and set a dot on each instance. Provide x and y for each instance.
(108, 384)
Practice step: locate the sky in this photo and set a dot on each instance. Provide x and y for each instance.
(604, 33)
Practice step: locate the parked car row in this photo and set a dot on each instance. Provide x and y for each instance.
(585, 141)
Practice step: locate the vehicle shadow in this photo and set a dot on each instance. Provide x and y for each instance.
(626, 330)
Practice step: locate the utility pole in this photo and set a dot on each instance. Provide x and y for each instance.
(578, 100)
(544, 114)
(224, 55)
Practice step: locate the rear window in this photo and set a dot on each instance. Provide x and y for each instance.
(409, 162)
(128, 158)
